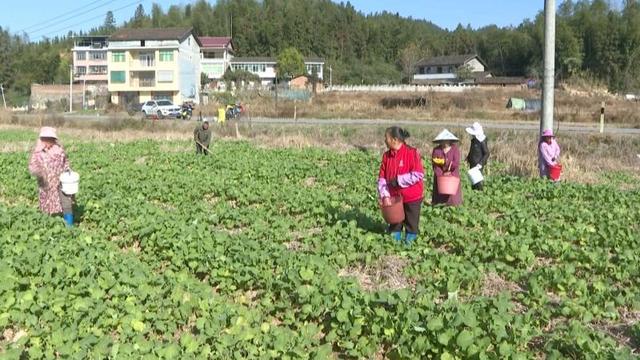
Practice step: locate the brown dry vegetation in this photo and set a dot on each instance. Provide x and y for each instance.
(488, 104)
(587, 158)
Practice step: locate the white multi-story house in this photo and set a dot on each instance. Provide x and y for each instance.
(217, 53)
(265, 67)
(148, 64)
(90, 59)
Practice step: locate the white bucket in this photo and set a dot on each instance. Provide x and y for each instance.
(475, 175)
(70, 180)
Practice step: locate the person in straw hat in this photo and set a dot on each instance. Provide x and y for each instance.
(48, 161)
(446, 161)
(478, 151)
(548, 152)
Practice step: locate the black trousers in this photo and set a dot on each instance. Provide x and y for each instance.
(411, 218)
(477, 186)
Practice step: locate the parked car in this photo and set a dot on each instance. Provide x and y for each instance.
(161, 108)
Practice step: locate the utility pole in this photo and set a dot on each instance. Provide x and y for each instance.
(70, 88)
(330, 78)
(546, 122)
(84, 85)
(3, 99)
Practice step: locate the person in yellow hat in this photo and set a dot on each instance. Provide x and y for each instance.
(48, 161)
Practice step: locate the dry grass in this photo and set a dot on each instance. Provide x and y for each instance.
(386, 274)
(571, 106)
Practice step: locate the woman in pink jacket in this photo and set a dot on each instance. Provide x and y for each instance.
(548, 153)
(48, 161)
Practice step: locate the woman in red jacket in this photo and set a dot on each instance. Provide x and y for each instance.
(401, 173)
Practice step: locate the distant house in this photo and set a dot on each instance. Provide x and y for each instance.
(444, 69)
(153, 64)
(216, 55)
(90, 59)
(264, 67)
(303, 82)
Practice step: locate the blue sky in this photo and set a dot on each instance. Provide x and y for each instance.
(49, 18)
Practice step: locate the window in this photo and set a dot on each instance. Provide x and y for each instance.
(118, 56)
(81, 70)
(97, 69)
(147, 59)
(118, 77)
(142, 43)
(98, 55)
(165, 76)
(166, 55)
(164, 103)
(81, 55)
(163, 96)
(439, 69)
(312, 67)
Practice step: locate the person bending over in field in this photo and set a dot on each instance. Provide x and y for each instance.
(446, 162)
(48, 161)
(202, 137)
(401, 174)
(478, 151)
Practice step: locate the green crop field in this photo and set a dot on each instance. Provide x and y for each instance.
(278, 253)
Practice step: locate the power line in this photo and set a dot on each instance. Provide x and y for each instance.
(87, 20)
(69, 18)
(59, 16)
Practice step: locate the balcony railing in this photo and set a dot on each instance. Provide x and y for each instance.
(147, 82)
(143, 63)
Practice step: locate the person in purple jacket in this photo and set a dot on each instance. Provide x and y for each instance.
(446, 161)
(548, 153)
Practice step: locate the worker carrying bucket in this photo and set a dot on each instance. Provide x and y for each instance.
(549, 156)
(400, 186)
(49, 163)
(446, 168)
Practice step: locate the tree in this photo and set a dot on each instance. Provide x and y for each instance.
(290, 64)
(409, 57)
(138, 17)
(109, 25)
(464, 73)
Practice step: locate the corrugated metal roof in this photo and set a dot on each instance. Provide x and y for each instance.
(179, 34)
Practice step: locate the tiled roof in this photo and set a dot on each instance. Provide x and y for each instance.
(271, 60)
(153, 34)
(215, 42)
(456, 60)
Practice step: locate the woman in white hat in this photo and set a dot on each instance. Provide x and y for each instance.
(478, 151)
(48, 161)
(446, 161)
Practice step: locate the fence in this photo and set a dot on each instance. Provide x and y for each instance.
(401, 88)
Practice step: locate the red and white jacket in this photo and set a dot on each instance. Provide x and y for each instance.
(405, 165)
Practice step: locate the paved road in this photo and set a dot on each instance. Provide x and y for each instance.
(451, 124)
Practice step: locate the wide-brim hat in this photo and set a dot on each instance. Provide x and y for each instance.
(445, 135)
(547, 133)
(474, 129)
(48, 132)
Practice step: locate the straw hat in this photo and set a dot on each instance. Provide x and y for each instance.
(445, 135)
(48, 132)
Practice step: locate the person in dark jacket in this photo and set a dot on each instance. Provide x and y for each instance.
(478, 151)
(202, 137)
(401, 174)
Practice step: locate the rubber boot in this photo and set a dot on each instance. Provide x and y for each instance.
(411, 237)
(397, 236)
(68, 219)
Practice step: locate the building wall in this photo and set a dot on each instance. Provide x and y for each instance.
(189, 68)
(475, 65)
(139, 72)
(87, 62)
